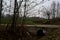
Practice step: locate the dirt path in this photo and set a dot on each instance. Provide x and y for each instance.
(49, 26)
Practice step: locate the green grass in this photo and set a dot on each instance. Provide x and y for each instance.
(32, 21)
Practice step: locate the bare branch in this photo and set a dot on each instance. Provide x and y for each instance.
(42, 2)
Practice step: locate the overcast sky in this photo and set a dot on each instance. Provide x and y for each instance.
(35, 13)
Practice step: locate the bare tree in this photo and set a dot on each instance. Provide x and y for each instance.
(23, 31)
(53, 8)
(0, 9)
(58, 9)
(46, 12)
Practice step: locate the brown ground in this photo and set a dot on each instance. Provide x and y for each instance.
(52, 34)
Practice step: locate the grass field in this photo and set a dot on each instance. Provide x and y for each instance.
(32, 21)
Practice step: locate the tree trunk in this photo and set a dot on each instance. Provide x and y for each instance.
(0, 10)
(13, 26)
